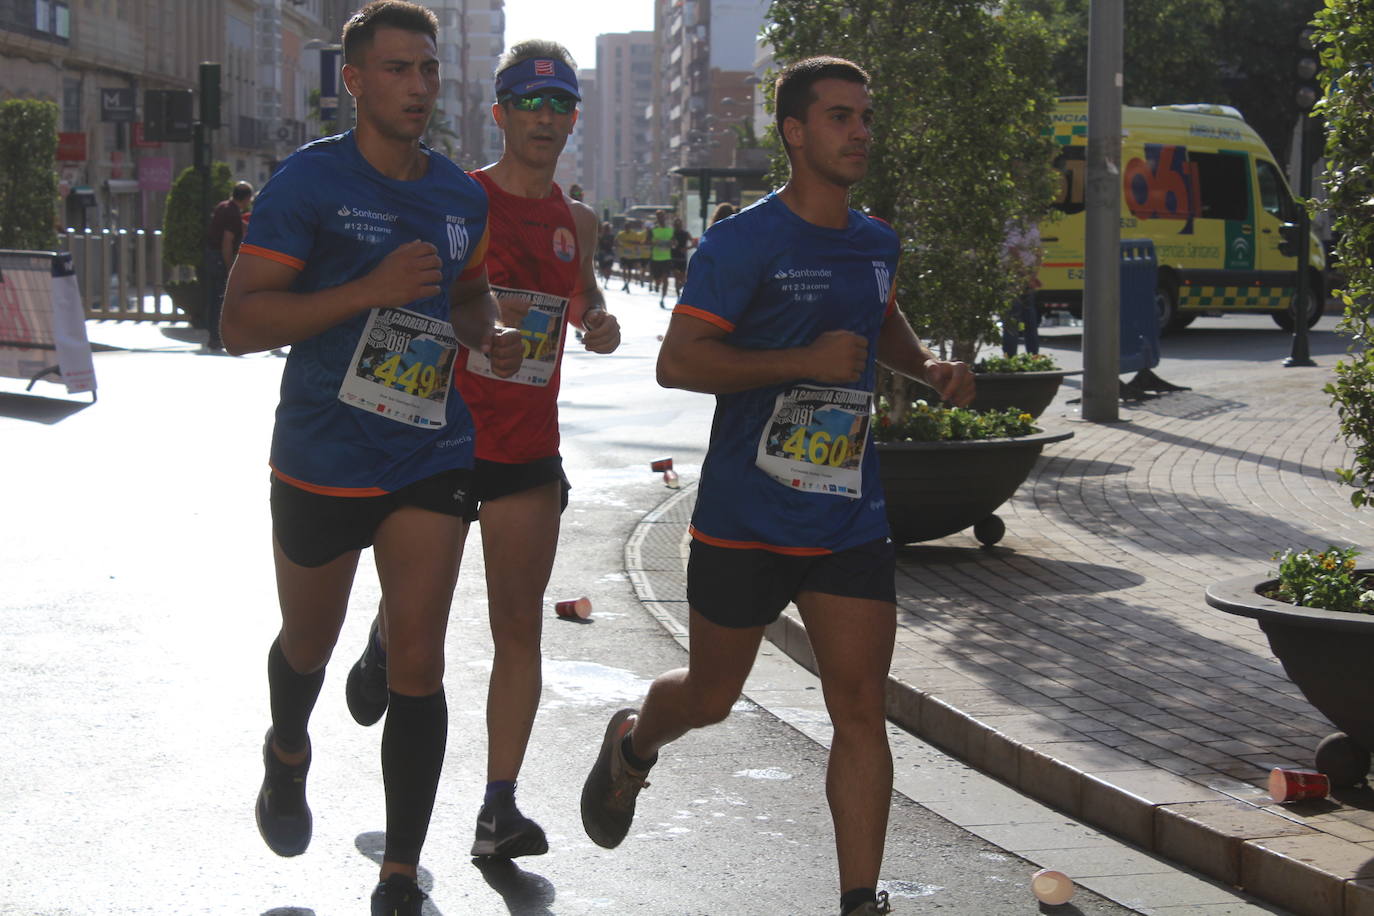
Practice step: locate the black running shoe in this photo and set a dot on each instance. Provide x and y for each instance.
(503, 831)
(365, 689)
(398, 895)
(282, 814)
(608, 795)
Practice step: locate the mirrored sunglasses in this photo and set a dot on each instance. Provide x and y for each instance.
(561, 104)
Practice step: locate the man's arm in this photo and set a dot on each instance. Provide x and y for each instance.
(587, 306)
(695, 357)
(226, 247)
(900, 350)
(261, 314)
(476, 318)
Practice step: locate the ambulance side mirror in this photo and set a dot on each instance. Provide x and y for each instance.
(1288, 247)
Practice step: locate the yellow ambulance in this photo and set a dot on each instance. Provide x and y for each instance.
(1200, 183)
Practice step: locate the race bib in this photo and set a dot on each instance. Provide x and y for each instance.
(815, 440)
(402, 367)
(541, 331)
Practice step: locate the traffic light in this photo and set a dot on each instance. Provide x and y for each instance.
(209, 95)
(1306, 67)
(167, 115)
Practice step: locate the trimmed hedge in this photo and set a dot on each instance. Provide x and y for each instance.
(184, 222)
(28, 181)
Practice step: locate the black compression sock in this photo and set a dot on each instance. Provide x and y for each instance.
(413, 742)
(851, 900)
(293, 697)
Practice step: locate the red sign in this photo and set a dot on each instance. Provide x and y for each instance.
(139, 142)
(71, 147)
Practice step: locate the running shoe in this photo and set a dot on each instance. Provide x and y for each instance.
(282, 814)
(872, 908)
(608, 796)
(503, 831)
(398, 895)
(365, 689)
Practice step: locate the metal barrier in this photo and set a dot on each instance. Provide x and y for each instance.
(121, 274)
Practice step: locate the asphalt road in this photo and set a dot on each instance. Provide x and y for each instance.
(138, 604)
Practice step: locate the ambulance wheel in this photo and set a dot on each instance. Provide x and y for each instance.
(990, 530)
(1287, 318)
(1166, 305)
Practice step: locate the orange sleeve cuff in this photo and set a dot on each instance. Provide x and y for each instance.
(702, 314)
(269, 254)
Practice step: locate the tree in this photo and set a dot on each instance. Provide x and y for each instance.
(961, 143)
(28, 182)
(185, 220)
(1231, 52)
(1347, 29)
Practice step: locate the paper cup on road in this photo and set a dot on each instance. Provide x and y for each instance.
(576, 609)
(661, 464)
(1051, 887)
(1295, 785)
(670, 479)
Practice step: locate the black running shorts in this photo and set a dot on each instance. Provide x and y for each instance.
(314, 529)
(732, 587)
(495, 479)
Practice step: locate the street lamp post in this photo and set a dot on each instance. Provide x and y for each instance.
(1307, 95)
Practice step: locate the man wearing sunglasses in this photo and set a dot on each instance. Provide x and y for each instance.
(541, 263)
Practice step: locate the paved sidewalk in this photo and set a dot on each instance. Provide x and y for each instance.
(1077, 660)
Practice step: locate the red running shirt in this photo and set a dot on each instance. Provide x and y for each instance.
(532, 255)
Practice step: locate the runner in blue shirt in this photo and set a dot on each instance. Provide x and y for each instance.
(787, 308)
(365, 254)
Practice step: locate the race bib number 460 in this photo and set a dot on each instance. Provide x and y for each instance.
(814, 441)
(402, 367)
(541, 331)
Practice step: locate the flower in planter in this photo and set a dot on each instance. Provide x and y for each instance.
(1326, 580)
(1021, 362)
(926, 423)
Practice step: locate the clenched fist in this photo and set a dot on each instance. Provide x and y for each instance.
(837, 357)
(505, 348)
(410, 273)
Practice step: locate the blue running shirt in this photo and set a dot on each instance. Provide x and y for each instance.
(791, 468)
(367, 406)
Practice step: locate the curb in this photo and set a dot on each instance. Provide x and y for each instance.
(1234, 835)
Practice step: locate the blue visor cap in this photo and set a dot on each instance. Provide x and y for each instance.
(535, 75)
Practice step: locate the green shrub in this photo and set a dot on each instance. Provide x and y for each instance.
(926, 423)
(1325, 579)
(1346, 28)
(28, 180)
(1021, 362)
(186, 217)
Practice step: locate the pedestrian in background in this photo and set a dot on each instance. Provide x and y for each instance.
(1021, 252)
(223, 236)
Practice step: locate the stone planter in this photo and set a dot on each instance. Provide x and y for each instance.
(1031, 392)
(1329, 655)
(934, 489)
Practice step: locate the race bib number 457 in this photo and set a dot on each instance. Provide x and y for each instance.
(815, 439)
(541, 331)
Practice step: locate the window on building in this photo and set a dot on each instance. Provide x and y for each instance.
(71, 105)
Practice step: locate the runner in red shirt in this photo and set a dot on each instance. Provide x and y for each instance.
(541, 263)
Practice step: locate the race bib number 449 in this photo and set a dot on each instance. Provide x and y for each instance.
(402, 367)
(815, 439)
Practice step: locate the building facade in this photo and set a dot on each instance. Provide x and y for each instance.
(621, 153)
(705, 90)
(96, 59)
